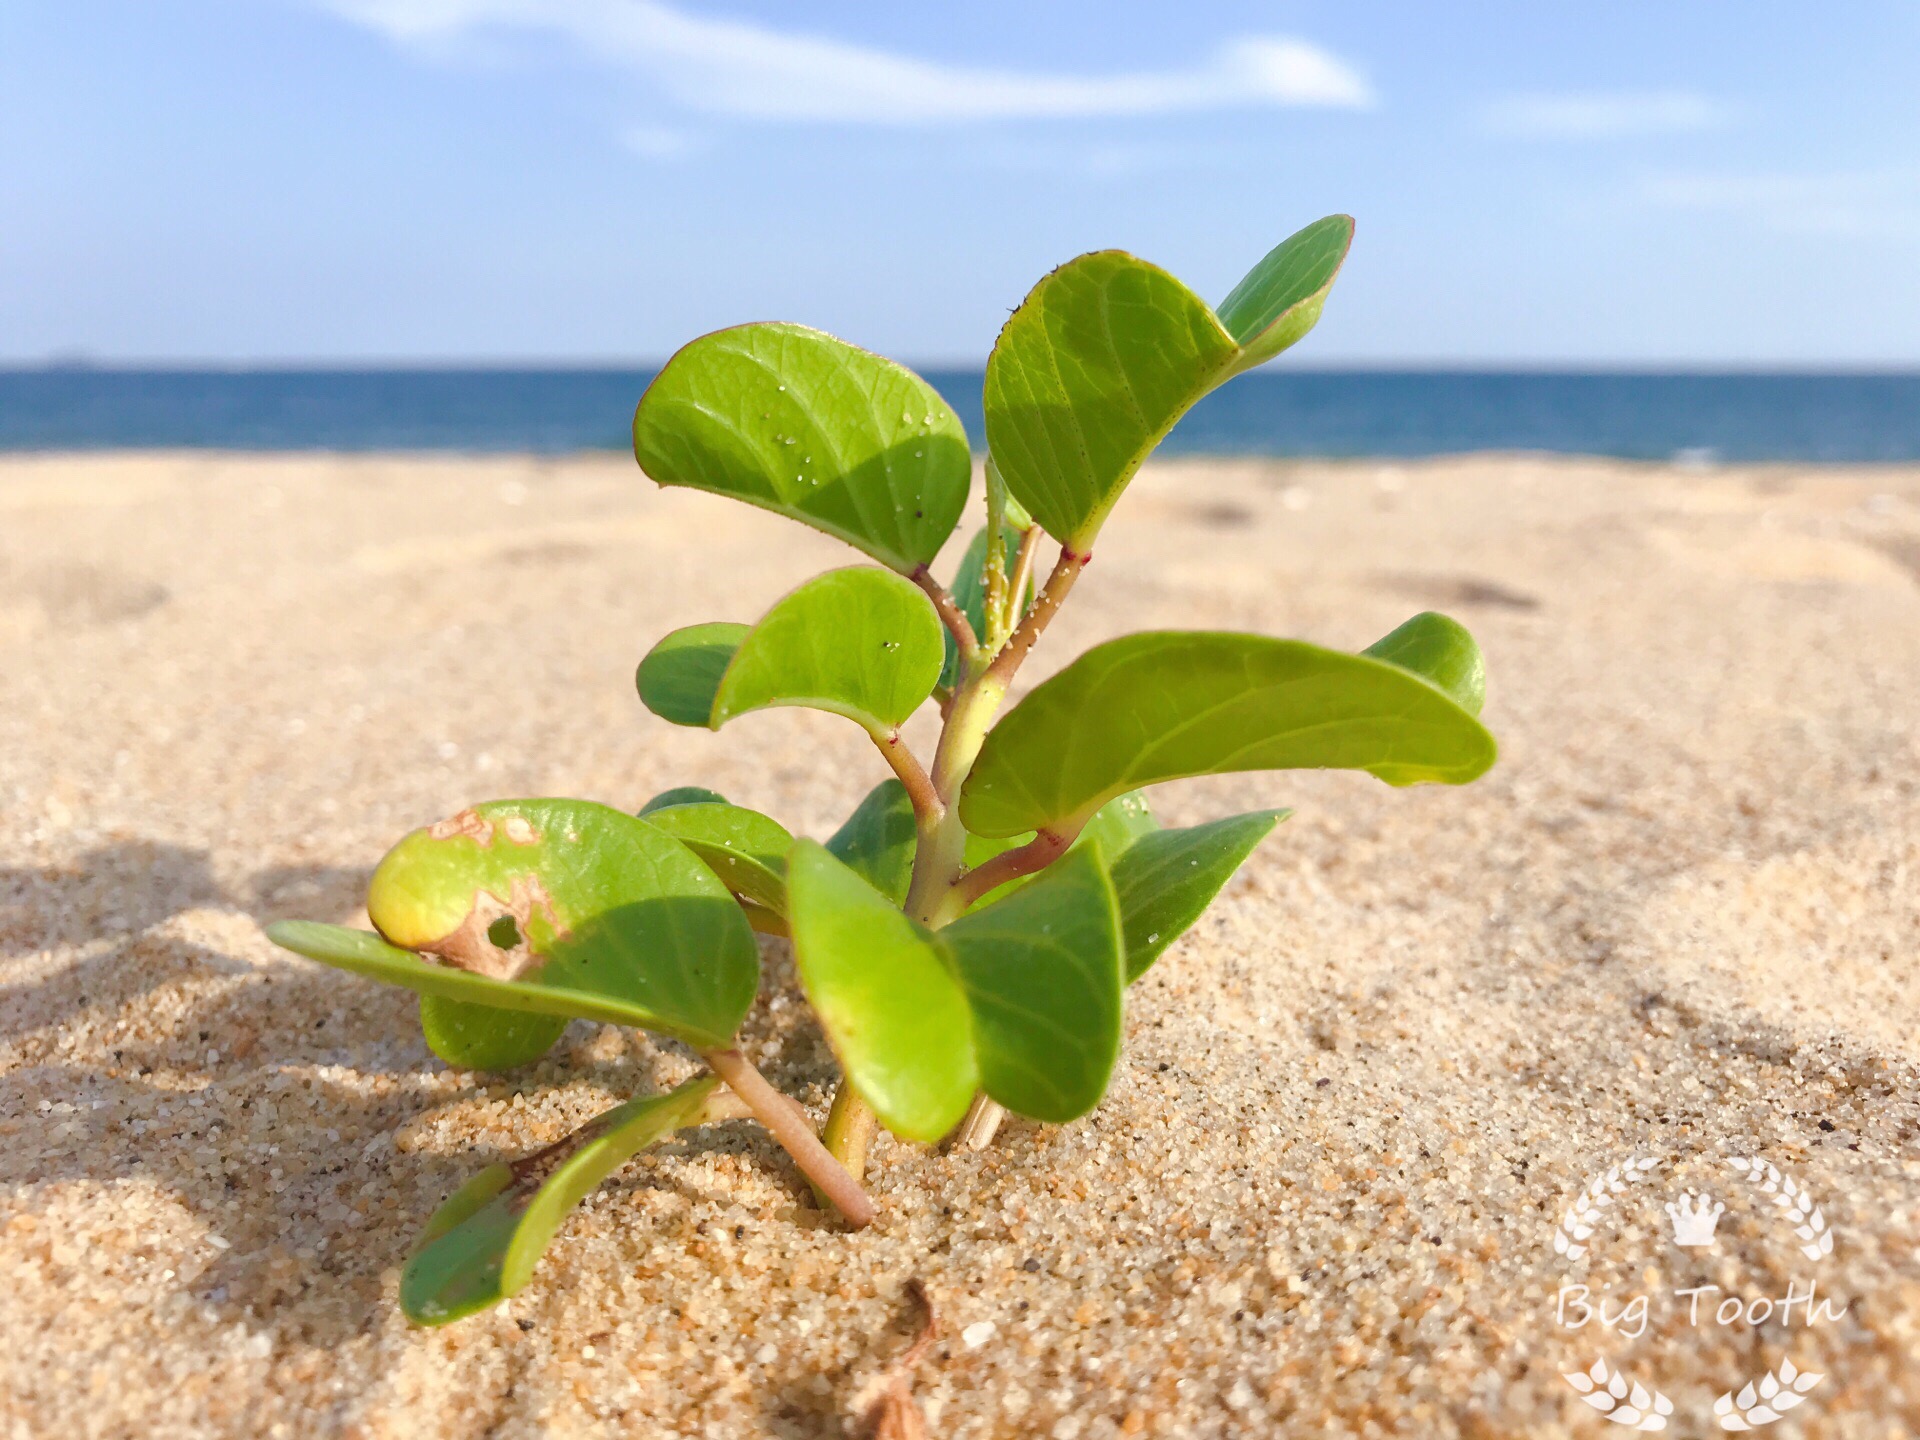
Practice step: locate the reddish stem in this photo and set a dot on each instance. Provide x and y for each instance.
(927, 805)
(951, 615)
(788, 1124)
(1066, 570)
(1038, 853)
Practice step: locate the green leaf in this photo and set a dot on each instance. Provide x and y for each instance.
(483, 1242)
(896, 1016)
(482, 1037)
(1021, 997)
(1108, 352)
(557, 907)
(1043, 975)
(683, 794)
(1168, 704)
(1092, 370)
(678, 678)
(1166, 879)
(877, 841)
(1281, 298)
(765, 921)
(859, 642)
(746, 849)
(1014, 518)
(797, 422)
(1118, 824)
(1433, 645)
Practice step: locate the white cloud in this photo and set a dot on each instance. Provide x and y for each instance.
(657, 142)
(736, 67)
(1099, 160)
(1839, 203)
(1603, 116)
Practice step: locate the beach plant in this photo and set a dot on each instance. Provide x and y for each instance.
(966, 938)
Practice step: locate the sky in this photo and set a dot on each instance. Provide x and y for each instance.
(1586, 182)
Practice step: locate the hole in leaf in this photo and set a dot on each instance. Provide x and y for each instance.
(504, 934)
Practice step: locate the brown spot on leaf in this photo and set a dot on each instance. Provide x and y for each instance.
(520, 832)
(467, 823)
(471, 947)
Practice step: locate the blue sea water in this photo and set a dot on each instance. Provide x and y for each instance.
(1735, 417)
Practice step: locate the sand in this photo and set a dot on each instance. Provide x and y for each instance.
(1679, 920)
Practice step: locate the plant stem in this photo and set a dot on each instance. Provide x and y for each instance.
(849, 1129)
(1017, 585)
(940, 854)
(788, 1125)
(941, 889)
(723, 1104)
(927, 805)
(1066, 570)
(976, 1132)
(996, 570)
(951, 615)
(1046, 847)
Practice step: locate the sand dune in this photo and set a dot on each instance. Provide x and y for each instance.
(1681, 919)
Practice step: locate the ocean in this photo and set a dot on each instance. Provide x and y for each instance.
(1701, 417)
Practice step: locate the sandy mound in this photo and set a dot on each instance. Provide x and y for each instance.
(1679, 920)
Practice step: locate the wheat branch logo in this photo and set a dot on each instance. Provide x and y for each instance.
(1762, 1403)
(1795, 1205)
(1578, 1224)
(1623, 1401)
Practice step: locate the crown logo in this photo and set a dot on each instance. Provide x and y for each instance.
(1694, 1217)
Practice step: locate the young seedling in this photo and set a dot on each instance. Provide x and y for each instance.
(966, 938)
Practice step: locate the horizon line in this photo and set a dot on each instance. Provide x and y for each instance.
(77, 365)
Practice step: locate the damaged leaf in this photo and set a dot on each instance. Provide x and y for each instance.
(560, 907)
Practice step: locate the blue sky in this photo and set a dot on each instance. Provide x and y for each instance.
(600, 180)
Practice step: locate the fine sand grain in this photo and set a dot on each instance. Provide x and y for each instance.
(1681, 919)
